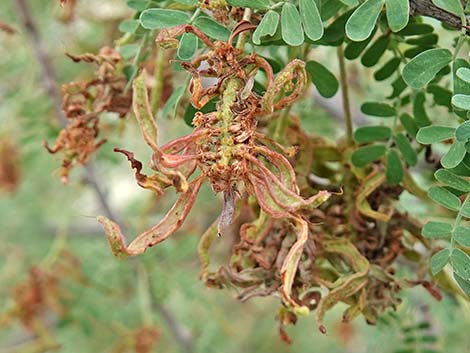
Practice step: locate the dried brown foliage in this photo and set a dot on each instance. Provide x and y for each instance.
(83, 102)
(10, 170)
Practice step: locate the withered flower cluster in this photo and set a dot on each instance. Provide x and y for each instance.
(83, 102)
(298, 235)
(226, 148)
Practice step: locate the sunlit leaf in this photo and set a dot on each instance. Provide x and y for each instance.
(455, 155)
(452, 6)
(460, 263)
(267, 26)
(398, 13)
(461, 235)
(439, 260)
(311, 19)
(424, 67)
(437, 230)
(463, 283)
(448, 178)
(187, 47)
(291, 26)
(212, 28)
(463, 132)
(362, 22)
(464, 74)
(461, 101)
(444, 198)
(435, 133)
(465, 211)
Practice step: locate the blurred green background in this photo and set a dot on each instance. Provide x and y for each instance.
(45, 223)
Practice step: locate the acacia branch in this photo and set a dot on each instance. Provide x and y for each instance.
(428, 9)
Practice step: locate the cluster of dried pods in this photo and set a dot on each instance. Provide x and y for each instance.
(298, 235)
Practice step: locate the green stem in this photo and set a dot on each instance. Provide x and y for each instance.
(194, 16)
(242, 36)
(348, 179)
(345, 96)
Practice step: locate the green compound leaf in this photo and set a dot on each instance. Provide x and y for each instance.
(419, 110)
(398, 13)
(454, 156)
(463, 283)
(212, 28)
(128, 51)
(375, 52)
(452, 6)
(448, 178)
(381, 110)
(311, 19)
(461, 235)
(128, 26)
(169, 110)
(460, 85)
(464, 74)
(405, 148)
(460, 263)
(409, 124)
(461, 101)
(362, 22)
(367, 154)
(432, 134)
(267, 26)
(291, 26)
(415, 29)
(444, 198)
(354, 49)
(441, 96)
(322, 78)
(366, 134)
(162, 18)
(463, 132)
(424, 67)
(138, 5)
(394, 171)
(465, 210)
(387, 70)
(187, 46)
(252, 4)
(436, 230)
(439, 260)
